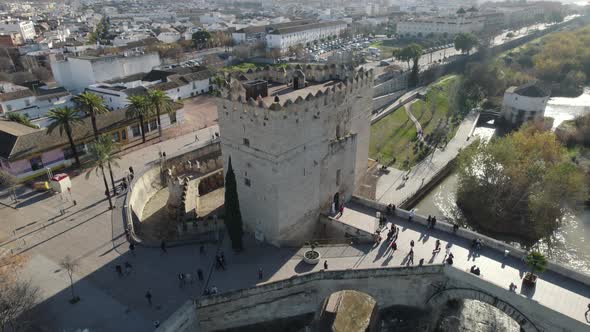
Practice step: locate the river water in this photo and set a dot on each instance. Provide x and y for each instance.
(570, 243)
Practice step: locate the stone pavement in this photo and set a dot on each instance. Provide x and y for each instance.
(38, 230)
(392, 188)
(552, 290)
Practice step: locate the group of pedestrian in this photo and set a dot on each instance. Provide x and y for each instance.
(475, 270)
(390, 209)
(476, 244)
(377, 237)
(431, 221)
(210, 291)
(124, 270)
(513, 288)
(450, 258)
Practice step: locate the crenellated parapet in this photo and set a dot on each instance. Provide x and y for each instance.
(326, 87)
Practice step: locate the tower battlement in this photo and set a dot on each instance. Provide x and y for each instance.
(298, 138)
(292, 89)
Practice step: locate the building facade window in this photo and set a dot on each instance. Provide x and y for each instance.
(153, 124)
(135, 130)
(80, 148)
(36, 163)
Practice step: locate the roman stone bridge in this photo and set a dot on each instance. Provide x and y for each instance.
(557, 303)
(424, 287)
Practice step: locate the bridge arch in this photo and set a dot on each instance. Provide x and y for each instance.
(442, 296)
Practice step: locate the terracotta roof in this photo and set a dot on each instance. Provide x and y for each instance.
(18, 142)
(531, 89)
(18, 94)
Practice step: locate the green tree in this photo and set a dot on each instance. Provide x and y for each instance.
(92, 105)
(233, 216)
(464, 42)
(20, 118)
(518, 184)
(109, 147)
(139, 108)
(65, 119)
(412, 52)
(99, 153)
(414, 78)
(200, 38)
(160, 102)
(536, 261)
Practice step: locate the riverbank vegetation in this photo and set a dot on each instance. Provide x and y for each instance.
(519, 184)
(561, 60)
(394, 138)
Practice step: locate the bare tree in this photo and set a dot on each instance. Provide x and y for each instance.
(70, 265)
(17, 296)
(9, 181)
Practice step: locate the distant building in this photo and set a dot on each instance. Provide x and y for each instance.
(522, 13)
(178, 83)
(450, 25)
(257, 33)
(169, 36)
(524, 103)
(283, 38)
(26, 152)
(78, 72)
(10, 39)
(25, 28)
(32, 103)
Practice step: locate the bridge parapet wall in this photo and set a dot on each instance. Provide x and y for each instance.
(489, 242)
(304, 294)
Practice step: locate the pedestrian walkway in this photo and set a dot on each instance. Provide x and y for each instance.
(397, 186)
(552, 290)
(406, 97)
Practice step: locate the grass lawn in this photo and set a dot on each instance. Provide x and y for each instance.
(394, 135)
(391, 137)
(433, 112)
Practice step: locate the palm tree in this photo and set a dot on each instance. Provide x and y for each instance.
(159, 101)
(98, 151)
(138, 108)
(65, 119)
(108, 146)
(92, 105)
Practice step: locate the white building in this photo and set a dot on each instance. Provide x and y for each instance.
(524, 103)
(178, 84)
(131, 36)
(168, 36)
(77, 73)
(450, 25)
(283, 38)
(25, 28)
(33, 104)
(296, 148)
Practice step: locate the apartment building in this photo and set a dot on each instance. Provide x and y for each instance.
(283, 38)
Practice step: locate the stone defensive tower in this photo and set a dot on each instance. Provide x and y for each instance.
(297, 147)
